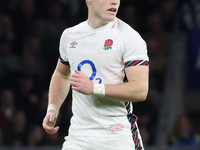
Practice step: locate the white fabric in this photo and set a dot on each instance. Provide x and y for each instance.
(99, 89)
(83, 47)
(53, 107)
(96, 143)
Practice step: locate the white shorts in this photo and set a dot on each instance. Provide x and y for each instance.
(96, 143)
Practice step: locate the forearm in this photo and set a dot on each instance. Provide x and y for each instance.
(134, 90)
(59, 88)
(128, 92)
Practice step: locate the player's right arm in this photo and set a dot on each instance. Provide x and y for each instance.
(58, 90)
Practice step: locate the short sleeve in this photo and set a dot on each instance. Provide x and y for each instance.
(62, 48)
(135, 48)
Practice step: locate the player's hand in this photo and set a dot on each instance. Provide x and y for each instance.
(49, 122)
(81, 83)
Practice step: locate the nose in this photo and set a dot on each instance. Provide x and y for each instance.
(115, 2)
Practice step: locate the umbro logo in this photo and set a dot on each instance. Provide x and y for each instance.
(73, 44)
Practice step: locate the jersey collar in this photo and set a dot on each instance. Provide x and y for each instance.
(101, 28)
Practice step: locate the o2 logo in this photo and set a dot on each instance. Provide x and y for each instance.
(94, 71)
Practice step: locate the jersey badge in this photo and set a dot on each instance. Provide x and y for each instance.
(73, 44)
(108, 44)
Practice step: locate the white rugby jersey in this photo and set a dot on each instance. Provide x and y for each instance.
(101, 54)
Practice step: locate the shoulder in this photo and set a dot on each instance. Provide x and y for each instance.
(125, 30)
(74, 29)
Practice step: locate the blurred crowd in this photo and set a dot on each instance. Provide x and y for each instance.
(29, 39)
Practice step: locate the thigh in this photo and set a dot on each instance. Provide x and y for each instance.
(73, 143)
(97, 143)
(124, 143)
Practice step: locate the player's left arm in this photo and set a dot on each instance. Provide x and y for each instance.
(135, 89)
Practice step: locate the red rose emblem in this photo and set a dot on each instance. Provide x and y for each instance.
(108, 43)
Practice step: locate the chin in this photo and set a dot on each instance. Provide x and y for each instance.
(110, 19)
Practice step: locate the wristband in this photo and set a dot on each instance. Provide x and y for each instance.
(53, 107)
(99, 89)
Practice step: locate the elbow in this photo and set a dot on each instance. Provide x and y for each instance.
(140, 97)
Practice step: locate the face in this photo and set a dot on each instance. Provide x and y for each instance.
(103, 10)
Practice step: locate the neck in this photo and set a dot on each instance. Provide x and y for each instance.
(96, 23)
